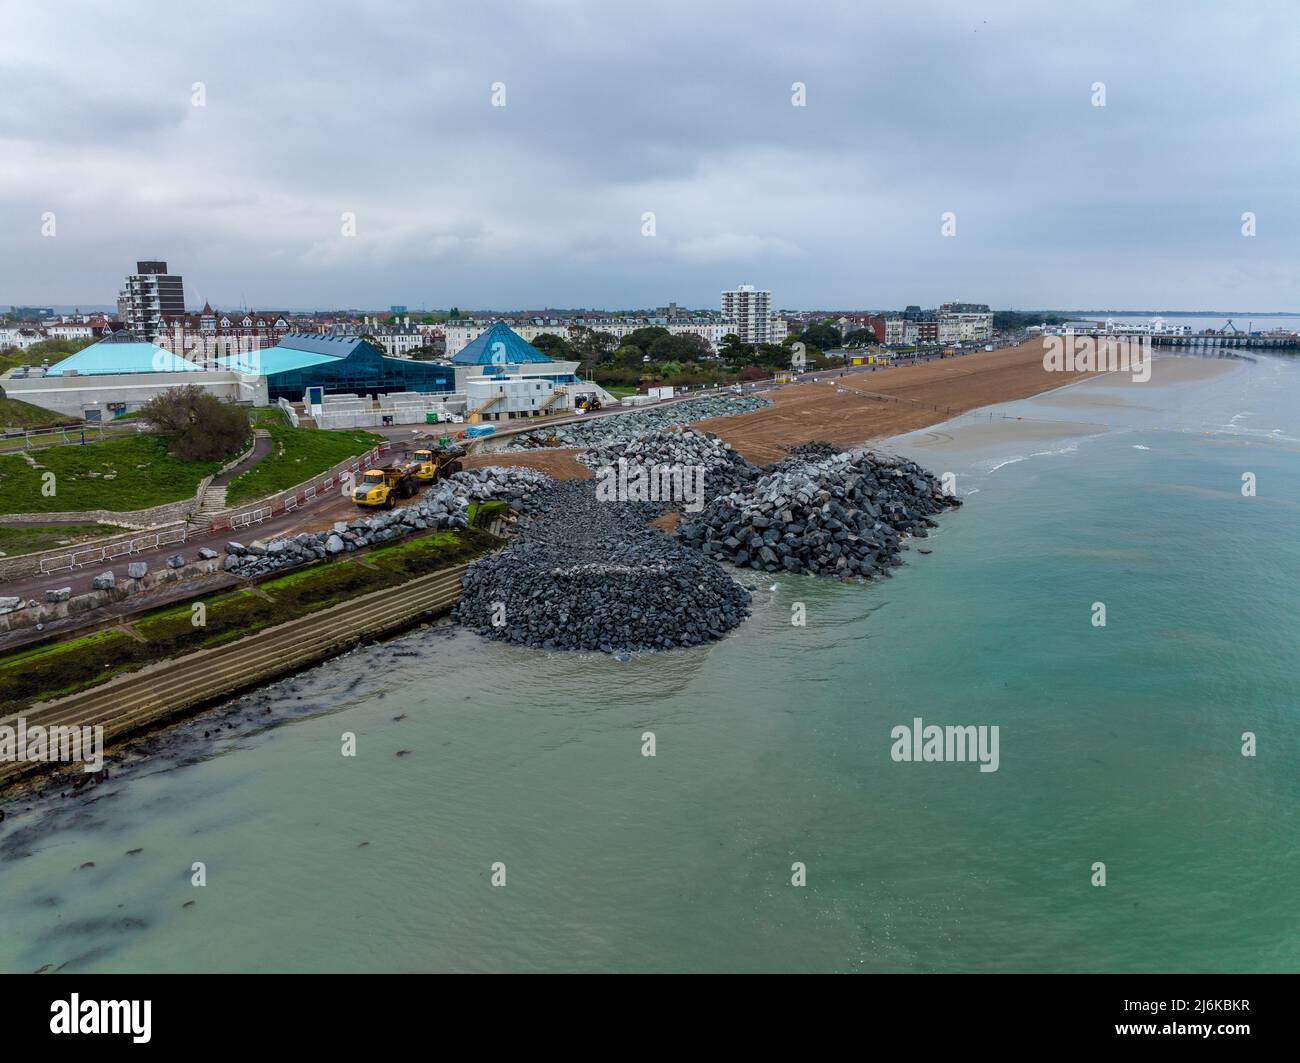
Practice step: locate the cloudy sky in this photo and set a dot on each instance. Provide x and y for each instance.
(384, 111)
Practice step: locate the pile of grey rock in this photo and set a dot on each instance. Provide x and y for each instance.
(590, 575)
(724, 470)
(843, 516)
(445, 505)
(624, 427)
(523, 489)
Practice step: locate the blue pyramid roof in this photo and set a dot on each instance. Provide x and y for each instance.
(499, 345)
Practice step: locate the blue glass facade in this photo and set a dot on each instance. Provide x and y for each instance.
(363, 370)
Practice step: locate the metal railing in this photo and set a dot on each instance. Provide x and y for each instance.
(108, 551)
(302, 495)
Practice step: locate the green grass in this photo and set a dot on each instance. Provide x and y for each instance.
(619, 391)
(142, 474)
(481, 514)
(297, 454)
(15, 541)
(53, 669)
(14, 413)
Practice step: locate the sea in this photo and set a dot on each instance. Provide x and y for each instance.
(503, 811)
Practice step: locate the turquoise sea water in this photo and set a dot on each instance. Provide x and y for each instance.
(1119, 744)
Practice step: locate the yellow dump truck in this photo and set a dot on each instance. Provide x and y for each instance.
(384, 485)
(435, 463)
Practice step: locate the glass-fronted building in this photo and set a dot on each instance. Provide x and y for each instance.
(339, 364)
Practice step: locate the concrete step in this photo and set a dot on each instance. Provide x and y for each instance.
(214, 502)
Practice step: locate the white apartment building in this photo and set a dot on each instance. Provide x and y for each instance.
(149, 295)
(965, 327)
(750, 310)
(778, 328)
(70, 331)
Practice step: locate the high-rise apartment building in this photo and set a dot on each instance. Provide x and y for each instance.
(149, 295)
(750, 309)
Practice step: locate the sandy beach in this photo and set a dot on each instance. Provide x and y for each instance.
(866, 405)
(863, 406)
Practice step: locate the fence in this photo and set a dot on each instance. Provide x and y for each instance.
(38, 438)
(289, 411)
(118, 548)
(302, 495)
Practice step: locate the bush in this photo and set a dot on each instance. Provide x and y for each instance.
(197, 425)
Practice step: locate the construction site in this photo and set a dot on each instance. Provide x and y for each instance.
(105, 633)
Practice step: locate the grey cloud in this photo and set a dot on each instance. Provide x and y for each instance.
(682, 109)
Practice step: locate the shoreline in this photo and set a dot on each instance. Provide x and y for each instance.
(875, 407)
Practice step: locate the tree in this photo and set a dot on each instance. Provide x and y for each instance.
(684, 348)
(772, 355)
(734, 350)
(55, 349)
(821, 336)
(552, 346)
(589, 346)
(860, 337)
(645, 337)
(197, 425)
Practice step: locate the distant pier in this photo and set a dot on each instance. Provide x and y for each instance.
(1202, 342)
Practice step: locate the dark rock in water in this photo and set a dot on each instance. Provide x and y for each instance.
(847, 515)
(402, 753)
(134, 852)
(188, 904)
(88, 863)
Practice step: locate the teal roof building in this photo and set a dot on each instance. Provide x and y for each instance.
(111, 356)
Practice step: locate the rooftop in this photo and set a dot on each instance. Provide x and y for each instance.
(110, 356)
(499, 345)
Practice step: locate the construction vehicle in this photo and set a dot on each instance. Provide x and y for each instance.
(384, 485)
(436, 463)
(587, 403)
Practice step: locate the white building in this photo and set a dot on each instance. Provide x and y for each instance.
(750, 310)
(22, 338)
(965, 323)
(149, 295)
(71, 331)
